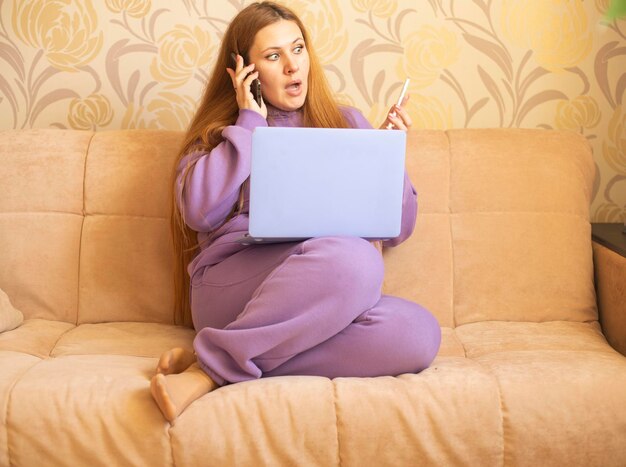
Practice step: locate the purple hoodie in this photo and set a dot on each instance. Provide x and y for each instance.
(212, 186)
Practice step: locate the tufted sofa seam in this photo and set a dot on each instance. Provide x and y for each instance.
(7, 413)
(460, 341)
(47, 212)
(169, 440)
(520, 211)
(54, 346)
(131, 216)
(449, 213)
(501, 403)
(82, 226)
(91, 354)
(336, 405)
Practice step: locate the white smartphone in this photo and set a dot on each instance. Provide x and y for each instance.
(403, 92)
(400, 99)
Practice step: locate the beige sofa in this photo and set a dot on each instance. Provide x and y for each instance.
(501, 254)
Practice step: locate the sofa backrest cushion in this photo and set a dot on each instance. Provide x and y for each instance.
(503, 228)
(84, 224)
(126, 253)
(502, 232)
(41, 218)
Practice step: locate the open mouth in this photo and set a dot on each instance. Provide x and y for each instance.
(294, 85)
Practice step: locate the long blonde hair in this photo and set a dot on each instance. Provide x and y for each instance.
(219, 109)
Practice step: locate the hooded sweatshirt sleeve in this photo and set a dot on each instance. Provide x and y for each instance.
(211, 186)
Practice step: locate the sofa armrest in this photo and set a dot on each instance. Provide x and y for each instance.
(610, 279)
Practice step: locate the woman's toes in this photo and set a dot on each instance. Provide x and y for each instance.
(158, 388)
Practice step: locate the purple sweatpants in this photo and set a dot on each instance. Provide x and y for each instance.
(309, 308)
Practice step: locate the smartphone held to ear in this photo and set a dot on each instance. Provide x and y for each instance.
(255, 87)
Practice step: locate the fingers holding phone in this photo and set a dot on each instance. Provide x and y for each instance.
(398, 117)
(247, 86)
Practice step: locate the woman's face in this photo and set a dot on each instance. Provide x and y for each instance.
(281, 58)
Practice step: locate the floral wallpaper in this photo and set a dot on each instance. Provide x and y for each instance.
(114, 64)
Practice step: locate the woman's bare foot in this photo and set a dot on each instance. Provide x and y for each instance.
(174, 392)
(175, 360)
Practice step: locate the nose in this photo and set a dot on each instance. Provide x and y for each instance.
(291, 65)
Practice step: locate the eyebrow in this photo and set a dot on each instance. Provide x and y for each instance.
(278, 47)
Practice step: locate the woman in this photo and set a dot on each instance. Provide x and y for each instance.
(305, 308)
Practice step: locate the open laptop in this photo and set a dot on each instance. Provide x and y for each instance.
(314, 182)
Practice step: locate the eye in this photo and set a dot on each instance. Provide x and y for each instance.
(298, 49)
(272, 57)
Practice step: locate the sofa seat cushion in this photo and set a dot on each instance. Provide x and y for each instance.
(561, 407)
(285, 420)
(87, 407)
(123, 338)
(45, 338)
(13, 366)
(498, 393)
(430, 418)
(505, 336)
(35, 337)
(71, 390)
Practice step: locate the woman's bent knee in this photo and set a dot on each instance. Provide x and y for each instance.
(418, 334)
(428, 337)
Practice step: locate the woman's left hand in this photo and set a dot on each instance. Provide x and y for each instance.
(397, 117)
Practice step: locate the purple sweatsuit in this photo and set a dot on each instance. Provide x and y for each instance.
(301, 308)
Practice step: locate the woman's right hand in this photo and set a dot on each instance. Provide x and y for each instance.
(242, 77)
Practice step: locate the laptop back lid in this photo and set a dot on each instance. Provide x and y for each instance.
(312, 182)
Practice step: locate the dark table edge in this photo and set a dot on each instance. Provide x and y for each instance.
(616, 247)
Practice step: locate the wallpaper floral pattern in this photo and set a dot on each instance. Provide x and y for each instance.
(114, 64)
